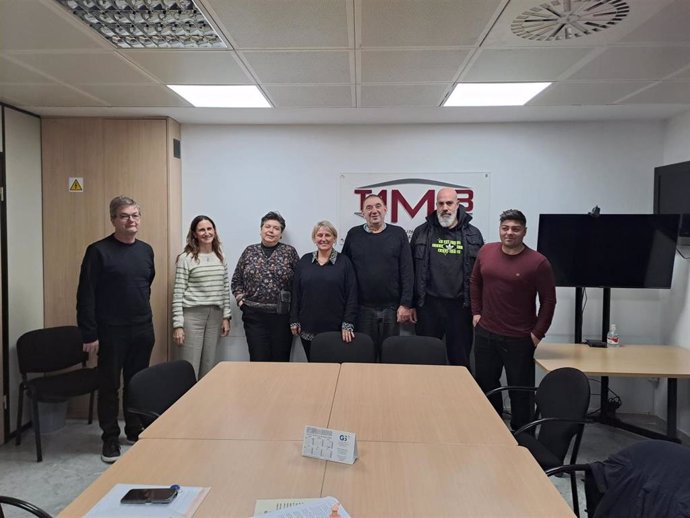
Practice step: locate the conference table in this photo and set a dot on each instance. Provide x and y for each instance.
(429, 444)
(641, 361)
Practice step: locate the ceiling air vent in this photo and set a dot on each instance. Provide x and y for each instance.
(559, 20)
(136, 24)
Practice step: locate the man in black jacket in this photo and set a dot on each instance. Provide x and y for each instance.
(114, 316)
(444, 250)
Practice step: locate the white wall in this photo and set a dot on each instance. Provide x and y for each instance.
(676, 303)
(24, 235)
(237, 173)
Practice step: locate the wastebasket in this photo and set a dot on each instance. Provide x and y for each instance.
(52, 416)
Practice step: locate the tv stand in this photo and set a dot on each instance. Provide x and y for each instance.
(607, 410)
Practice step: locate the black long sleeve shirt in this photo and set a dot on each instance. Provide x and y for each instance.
(114, 285)
(324, 296)
(383, 264)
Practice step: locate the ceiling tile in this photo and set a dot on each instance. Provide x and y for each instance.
(683, 75)
(135, 95)
(427, 23)
(199, 67)
(300, 67)
(668, 92)
(30, 25)
(650, 63)
(284, 24)
(12, 73)
(402, 95)
(85, 68)
(582, 94)
(668, 25)
(45, 95)
(306, 96)
(411, 66)
(534, 64)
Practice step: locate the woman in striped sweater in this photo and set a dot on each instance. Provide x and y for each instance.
(201, 297)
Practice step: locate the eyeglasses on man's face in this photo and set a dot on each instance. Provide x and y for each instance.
(124, 217)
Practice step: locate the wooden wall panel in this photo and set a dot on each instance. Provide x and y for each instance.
(114, 156)
(135, 164)
(70, 147)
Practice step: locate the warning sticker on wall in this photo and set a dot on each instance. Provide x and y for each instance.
(75, 184)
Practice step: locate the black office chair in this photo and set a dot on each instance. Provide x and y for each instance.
(562, 399)
(422, 350)
(22, 504)
(153, 390)
(649, 478)
(330, 348)
(46, 351)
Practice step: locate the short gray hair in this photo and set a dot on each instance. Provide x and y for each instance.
(121, 201)
(325, 224)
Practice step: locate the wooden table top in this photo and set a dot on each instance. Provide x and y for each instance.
(401, 480)
(389, 480)
(663, 361)
(257, 401)
(238, 473)
(430, 444)
(415, 403)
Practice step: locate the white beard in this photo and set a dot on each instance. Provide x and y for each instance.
(446, 221)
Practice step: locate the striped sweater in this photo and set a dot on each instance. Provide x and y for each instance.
(200, 283)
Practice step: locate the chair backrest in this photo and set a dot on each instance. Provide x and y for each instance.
(50, 349)
(330, 348)
(22, 504)
(562, 393)
(423, 350)
(153, 390)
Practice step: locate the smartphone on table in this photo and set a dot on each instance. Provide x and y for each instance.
(150, 495)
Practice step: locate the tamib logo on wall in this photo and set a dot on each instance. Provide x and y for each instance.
(411, 199)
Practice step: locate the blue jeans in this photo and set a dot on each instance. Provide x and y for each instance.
(378, 323)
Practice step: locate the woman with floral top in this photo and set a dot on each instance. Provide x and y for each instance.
(262, 285)
(324, 290)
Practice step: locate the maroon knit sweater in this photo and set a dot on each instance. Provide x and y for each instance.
(504, 289)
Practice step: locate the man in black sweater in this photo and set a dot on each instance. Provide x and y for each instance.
(380, 254)
(114, 316)
(444, 250)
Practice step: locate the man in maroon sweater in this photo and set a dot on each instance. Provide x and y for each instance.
(506, 280)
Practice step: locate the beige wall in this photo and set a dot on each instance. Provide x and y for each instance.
(24, 237)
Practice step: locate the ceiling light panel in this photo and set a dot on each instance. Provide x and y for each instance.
(132, 24)
(493, 94)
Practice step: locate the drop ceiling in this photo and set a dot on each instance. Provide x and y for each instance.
(354, 61)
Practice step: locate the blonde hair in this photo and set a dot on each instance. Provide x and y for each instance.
(325, 224)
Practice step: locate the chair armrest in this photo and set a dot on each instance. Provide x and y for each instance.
(568, 468)
(147, 413)
(515, 388)
(543, 420)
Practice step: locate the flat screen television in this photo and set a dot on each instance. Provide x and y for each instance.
(610, 250)
(672, 193)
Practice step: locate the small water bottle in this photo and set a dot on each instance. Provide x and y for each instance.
(612, 338)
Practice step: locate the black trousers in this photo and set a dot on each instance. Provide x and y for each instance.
(122, 351)
(492, 353)
(439, 317)
(378, 323)
(268, 335)
(306, 344)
